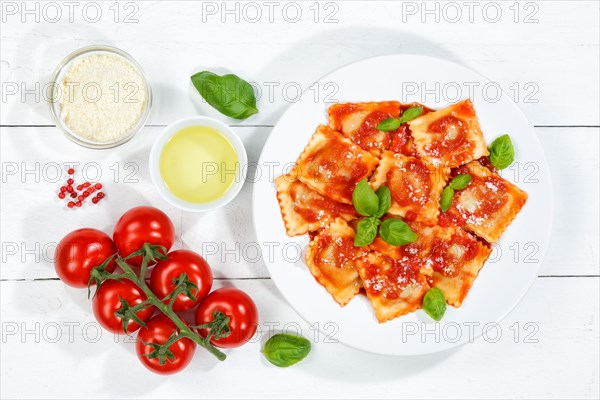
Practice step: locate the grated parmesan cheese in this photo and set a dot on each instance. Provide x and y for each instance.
(103, 97)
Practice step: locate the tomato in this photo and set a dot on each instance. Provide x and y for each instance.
(79, 252)
(181, 261)
(142, 225)
(238, 306)
(158, 329)
(108, 300)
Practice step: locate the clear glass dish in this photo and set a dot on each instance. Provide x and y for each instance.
(56, 83)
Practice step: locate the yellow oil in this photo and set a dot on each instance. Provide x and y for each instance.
(198, 164)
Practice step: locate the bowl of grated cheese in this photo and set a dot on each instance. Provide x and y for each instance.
(100, 97)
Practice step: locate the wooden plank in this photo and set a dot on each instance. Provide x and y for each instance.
(540, 342)
(528, 58)
(226, 236)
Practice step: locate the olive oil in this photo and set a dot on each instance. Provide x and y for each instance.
(198, 164)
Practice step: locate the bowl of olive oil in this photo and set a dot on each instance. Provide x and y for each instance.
(198, 164)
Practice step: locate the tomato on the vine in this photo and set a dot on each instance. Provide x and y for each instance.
(157, 331)
(238, 306)
(108, 301)
(182, 261)
(141, 225)
(80, 251)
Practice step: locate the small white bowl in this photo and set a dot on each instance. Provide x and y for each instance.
(164, 137)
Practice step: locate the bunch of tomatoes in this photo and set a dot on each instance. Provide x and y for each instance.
(176, 282)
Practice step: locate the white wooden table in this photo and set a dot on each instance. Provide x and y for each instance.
(544, 53)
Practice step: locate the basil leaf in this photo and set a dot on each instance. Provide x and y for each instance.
(366, 230)
(364, 199)
(434, 303)
(388, 125)
(502, 152)
(396, 232)
(385, 200)
(410, 114)
(446, 200)
(460, 181)
(284, 350)
(229, 94)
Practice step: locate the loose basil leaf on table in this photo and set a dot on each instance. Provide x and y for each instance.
(396, 232)
(502, 152)
(366, 231)
(365, 200)
(434, 303)
(385, 200)
(228, 94)
(284, 350)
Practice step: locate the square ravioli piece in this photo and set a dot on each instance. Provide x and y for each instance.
(415, 186)
(393, 287)
(305, 210)
(358, 122)
(332, 165)
(456, 258)
(449, 137)
(331, 259)
(487, 205)
(449, 256)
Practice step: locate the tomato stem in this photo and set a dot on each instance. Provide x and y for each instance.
(150, 253)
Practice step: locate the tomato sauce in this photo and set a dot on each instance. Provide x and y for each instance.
(401, 141)
(339, 167)
(489, 191)
(411, 184)
(448, 256)
(368, 136)
(390, 276)
(313, 207)
(335, 252)
(338, 112)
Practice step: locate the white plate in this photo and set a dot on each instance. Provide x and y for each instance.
(515, 261)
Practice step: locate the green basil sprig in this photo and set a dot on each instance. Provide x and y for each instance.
(365, 200)
(391, 124)
(366, 231)
(283, 349)
(434, 303)
(385, 201)
(459, 182)
(396, 232)
(502, 152)
(229, 94)
(388, 125)
(373, 205)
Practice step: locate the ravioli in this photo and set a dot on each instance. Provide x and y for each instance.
(358, 122)
(394, 288)
(449, 137)
(305, 210)
(333, 165)
(456, 261)
(331, 259)
(449, 256)
(415, 186)
(488, 205)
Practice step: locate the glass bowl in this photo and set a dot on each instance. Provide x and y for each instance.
(56, 89)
